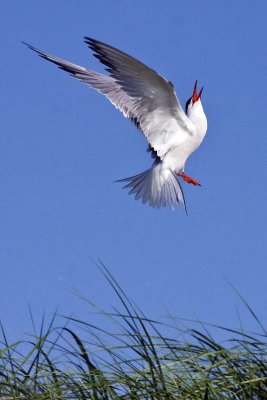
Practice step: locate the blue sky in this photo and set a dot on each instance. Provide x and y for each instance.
(62, 146)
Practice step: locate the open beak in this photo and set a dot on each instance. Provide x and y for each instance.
(195, 96)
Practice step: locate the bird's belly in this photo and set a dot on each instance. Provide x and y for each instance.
(175, 159)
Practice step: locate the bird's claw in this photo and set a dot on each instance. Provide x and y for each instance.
(188, 179)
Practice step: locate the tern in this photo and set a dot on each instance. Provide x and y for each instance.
(150, 102)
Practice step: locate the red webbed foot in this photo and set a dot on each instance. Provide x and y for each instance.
(188, 179)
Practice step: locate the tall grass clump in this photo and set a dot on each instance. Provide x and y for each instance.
(68, 358)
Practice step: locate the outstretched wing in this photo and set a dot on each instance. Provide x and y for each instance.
(140, 93)
(104, 84)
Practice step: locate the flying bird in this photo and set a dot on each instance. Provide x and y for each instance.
(150, 102)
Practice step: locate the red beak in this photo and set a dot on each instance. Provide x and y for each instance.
(195, 96)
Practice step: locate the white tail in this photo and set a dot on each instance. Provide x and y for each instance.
(158, 186)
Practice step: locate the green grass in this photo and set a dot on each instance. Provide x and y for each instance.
(72, 359)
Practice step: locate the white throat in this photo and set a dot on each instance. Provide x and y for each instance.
(196, 114)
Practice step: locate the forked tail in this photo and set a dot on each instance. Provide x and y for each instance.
(158, 186)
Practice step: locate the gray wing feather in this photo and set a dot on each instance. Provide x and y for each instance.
(104, 84)
(140, 93)
(156, 106)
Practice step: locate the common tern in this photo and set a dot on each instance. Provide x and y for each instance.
(150, 102)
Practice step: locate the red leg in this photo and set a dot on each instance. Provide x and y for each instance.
(188, 179)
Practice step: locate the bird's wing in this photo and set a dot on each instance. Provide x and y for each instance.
(104, 84)
(140, 93)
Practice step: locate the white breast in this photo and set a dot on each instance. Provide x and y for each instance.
(195, 132)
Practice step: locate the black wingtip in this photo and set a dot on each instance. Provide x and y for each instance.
(87, 38)
(94, 44)
(30, 47)
(39, 52)
(26, 44)
(90, 41)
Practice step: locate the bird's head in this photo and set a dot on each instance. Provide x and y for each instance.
(195, 112)
(194, 100)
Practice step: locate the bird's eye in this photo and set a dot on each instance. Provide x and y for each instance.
(187, 104)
